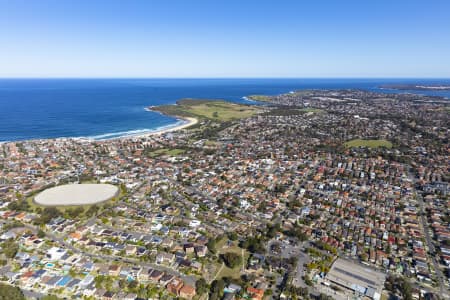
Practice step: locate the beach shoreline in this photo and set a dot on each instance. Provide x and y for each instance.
(181, 123)
(188, 121)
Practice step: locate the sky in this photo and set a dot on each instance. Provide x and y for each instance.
(224, 38)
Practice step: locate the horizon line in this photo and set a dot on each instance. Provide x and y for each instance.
(220, 77)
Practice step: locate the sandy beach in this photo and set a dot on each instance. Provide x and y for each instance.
(188, 122)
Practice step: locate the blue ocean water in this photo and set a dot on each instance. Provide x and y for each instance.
(109, 108)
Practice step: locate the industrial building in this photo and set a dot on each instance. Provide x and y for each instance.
(361, 280)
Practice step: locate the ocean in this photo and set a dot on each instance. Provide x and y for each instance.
(111, 108)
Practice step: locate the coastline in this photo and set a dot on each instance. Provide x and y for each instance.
(33, 124)
(188, 121)
(181, 123)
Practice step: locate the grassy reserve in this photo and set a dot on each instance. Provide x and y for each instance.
(216, 110)
(368, 143)
(261, 98)
(292, 111)
(166, 151)
(311, 110)
(234, 248)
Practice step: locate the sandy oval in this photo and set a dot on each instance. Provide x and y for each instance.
(76, 194)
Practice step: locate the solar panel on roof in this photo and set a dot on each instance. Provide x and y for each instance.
(358, 288)
(355, 276)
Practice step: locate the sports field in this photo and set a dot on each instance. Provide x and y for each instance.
(368, 143)
(76, 194)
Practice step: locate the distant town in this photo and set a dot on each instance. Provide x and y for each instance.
(313, 194)
(415, 87)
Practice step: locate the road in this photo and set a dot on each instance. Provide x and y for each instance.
(243, 260)
(298, 281)
(186, 278)
(293, 250)
(195, 190)
(426, 229)
(217, 273)
(29, 294)
(319, 288)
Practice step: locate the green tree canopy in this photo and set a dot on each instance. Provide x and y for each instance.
(8, 292)
(201, 286)
(10, 248)
(231, 259)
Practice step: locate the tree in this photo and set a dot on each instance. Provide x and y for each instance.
(122, 283)
(298, 233)
(47, 214)
(262, 206)
(212, 245)
(132, 284)
(216, 290)
(323, 296)
(201, 286)
(99, 280)
(8, 292)
(92, 210)
(50, 297)
(231, 259)
(405, 288)
(123, 188)
(272, 230)
(308, 280)
(75, 212)
(41, 234)
(233, 236)
(10, 248)
(253, 244)
(152, 291)
(21, 205)
(363, 256)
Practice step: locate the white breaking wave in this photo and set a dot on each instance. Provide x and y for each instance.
(111, 135)
(130, 133)
(247, 99)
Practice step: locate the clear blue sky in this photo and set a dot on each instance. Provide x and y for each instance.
(224, 38)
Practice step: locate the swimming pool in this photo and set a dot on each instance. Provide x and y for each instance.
(64, 280)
